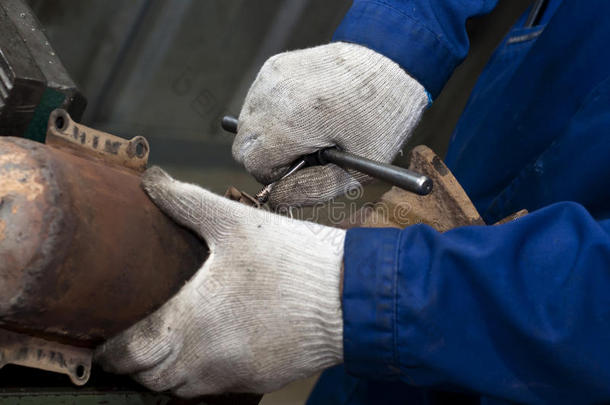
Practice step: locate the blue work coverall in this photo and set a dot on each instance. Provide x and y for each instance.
(516, 312)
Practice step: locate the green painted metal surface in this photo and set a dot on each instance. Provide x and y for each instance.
(37, 129)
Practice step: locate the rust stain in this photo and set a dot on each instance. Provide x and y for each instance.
(18, 180)
(2, 228)
(15, 157)
(21, 182)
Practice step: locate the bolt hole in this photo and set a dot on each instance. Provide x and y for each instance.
(140, 149)
(80, 371)
(60, 122)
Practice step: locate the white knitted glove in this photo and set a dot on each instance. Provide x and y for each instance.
(342, 95)
(264, 309)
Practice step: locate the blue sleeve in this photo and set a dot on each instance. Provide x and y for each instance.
(519, 311)
(426, 37)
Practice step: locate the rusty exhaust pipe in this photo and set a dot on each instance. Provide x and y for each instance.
(84, 253)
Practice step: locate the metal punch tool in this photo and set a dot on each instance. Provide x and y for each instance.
(397, 176)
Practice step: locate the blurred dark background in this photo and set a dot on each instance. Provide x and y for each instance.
(169, 69)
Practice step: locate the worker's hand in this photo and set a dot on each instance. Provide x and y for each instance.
(264, 309)
(341, 95)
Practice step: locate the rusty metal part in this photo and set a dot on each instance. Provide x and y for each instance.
(446, 207)
(240, 196)
(28, 351)
(512, 217)
(84, 253)
(63, 132)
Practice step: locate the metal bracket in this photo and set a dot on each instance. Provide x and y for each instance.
(24, 350)
(446, 207)
(64, 132)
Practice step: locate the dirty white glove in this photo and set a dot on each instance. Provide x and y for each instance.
(264, 309)
(342, 95)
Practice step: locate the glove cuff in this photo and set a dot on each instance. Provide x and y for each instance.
(315, 303)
